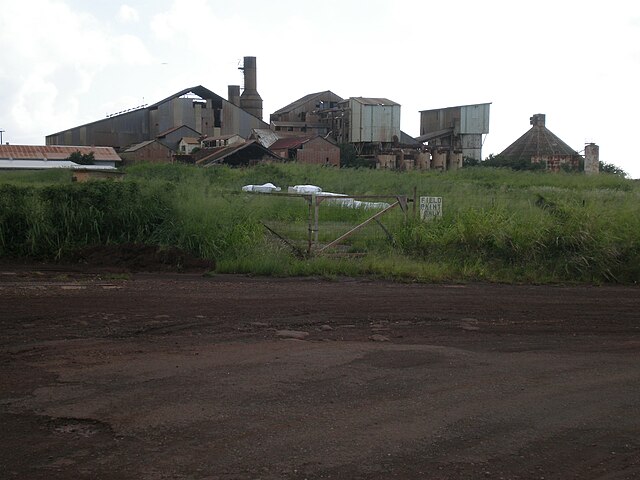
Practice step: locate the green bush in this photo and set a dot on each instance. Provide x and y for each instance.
(498, 225)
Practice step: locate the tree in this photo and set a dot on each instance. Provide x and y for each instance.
(82, 159)
(349, 158)
(611, 168)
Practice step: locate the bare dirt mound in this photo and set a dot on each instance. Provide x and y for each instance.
(138, 257)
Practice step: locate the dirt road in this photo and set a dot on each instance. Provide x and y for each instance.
(168, 376)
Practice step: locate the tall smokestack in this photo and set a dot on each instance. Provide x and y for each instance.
(234, 94)
(250, 99)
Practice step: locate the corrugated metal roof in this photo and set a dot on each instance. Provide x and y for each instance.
(199, 90)
(278, 123)
(174, 129)
(221, 137)
(374, 101)
(140, 145)
(55, 152)
(290, 142)
(456, 106)
(209, 156)
(302, 101)
(265, 136)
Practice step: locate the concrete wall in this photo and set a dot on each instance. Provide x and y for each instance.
(591, 159)
(554, 163)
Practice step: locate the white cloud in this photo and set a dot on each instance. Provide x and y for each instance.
(127, 14)
(49, 69)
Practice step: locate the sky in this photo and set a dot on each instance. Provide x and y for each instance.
(69, 62)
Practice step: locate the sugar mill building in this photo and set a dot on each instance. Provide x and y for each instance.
(197, 108)
(304, 116)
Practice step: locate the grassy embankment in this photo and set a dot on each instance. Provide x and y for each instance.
(498, 225)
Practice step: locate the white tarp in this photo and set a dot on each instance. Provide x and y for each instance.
(336, 198)
(305, 189)
(264, 188)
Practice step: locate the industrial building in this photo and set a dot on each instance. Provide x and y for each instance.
(197, 118)
(370, 125)
(541, 146)
(303, 116)
(151, 151)
(197, 108)
(454, 133)
(312, 150)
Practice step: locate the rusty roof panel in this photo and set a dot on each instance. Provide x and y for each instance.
(290, 142)
(55, 152)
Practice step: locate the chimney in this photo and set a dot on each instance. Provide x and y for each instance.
(250, 99)
(234, 94)
(538, 120)
(591, 159)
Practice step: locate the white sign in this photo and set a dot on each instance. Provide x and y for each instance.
(430, 208)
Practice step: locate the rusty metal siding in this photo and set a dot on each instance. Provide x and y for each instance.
(319, 151)
(117, 132)
(302, 110)
(319, 157)
(211, 116)
(373, 123)
(468, 119)
(435, 120)
(155, 152)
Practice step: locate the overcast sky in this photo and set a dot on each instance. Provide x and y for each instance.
(69, 62)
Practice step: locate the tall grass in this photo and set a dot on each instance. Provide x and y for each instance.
(498, 225)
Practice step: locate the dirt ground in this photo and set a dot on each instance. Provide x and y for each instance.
(179, 376)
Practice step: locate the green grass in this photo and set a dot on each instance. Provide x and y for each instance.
(498, 225)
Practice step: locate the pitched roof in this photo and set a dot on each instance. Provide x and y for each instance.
(290, 142)
(138, 146)
(265, 136)
(175, 129)
(55, 152)
(302, 101)
(221, 137)
(279, 123)
(190, 140)
(199, 90)
(216, 155)
(456, 106)
(538, 141)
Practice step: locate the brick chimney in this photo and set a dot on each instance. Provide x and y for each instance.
(538, 120)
